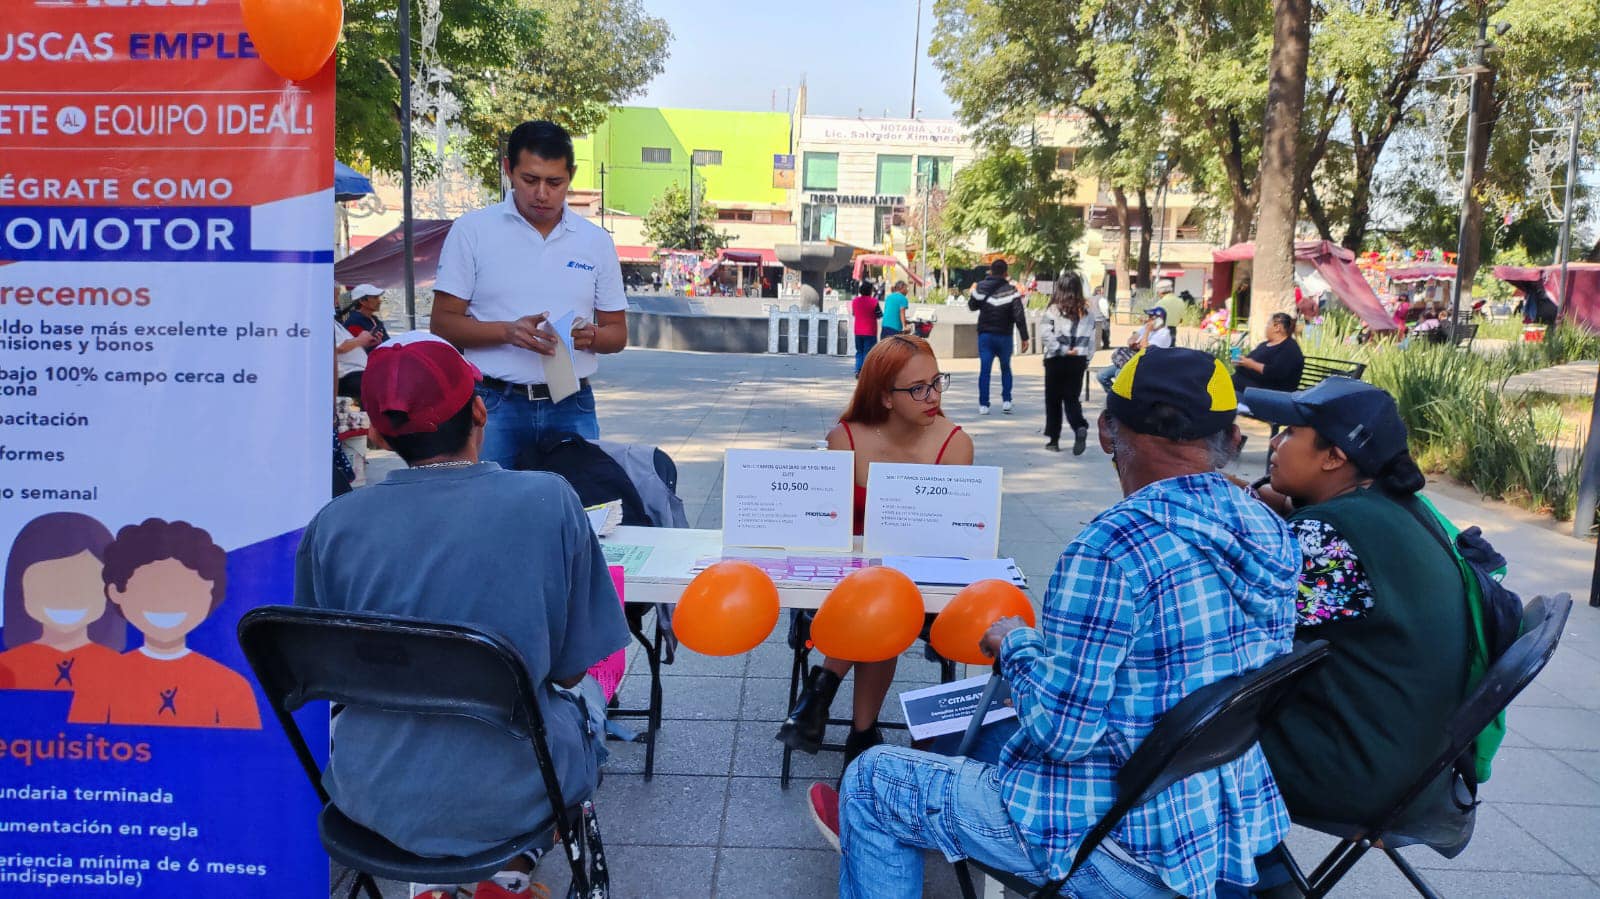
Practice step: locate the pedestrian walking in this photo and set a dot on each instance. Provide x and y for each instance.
(865, 311)
(1066, 337)
(999, 307)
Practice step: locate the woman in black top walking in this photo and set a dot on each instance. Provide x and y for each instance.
(1066, 335)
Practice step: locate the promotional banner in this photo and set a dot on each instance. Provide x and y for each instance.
(166, 381)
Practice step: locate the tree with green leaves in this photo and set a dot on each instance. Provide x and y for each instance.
(673, 223)
(591, 55)
(508, 61)
(1017, 197)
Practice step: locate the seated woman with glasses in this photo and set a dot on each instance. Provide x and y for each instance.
(894, 416)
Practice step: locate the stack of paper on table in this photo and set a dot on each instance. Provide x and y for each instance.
(945, 572)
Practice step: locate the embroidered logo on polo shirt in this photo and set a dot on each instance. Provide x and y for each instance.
(573, 263)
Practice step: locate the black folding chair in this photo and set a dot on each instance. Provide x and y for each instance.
(800, 644)
(1446, 824)
(1207, 729)
(421, 668)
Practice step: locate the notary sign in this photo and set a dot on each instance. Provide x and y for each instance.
(933, 510)
(794, 499)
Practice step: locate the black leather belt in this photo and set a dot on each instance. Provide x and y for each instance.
(531, 391)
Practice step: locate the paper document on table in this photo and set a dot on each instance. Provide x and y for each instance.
(605, 517)
(559, 375)
(948, 708)
(628, 556)
(944, 572)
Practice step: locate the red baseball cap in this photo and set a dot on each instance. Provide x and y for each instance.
(415, 383)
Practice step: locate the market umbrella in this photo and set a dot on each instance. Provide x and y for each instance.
(349, 184)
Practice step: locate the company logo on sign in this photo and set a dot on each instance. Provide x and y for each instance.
(573, 263)
(55, 46)
(857, 200)
(822, 514)
(975, 525)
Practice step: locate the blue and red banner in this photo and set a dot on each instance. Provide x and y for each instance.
(166, 381)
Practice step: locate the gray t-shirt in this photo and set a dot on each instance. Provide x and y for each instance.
(509, 552)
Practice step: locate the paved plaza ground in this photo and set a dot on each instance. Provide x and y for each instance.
(714, 822)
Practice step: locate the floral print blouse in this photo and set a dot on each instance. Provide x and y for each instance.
(1333, 585)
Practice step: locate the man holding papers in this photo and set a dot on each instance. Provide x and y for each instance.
(1184, 582)
(530, 292)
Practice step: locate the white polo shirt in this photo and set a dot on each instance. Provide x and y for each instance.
(505, 269)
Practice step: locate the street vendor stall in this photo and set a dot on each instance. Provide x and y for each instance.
(1319, 265)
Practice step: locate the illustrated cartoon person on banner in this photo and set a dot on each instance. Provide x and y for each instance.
(167, 578)
(60, 631)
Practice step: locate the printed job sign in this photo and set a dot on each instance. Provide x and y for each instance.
(166, 219)
(794, 499)
(933, 510)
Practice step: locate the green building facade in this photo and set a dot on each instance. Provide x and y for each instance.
(736, 156)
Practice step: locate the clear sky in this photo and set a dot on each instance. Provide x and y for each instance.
(855, 56)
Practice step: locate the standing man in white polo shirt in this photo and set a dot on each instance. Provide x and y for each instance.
(507, 272)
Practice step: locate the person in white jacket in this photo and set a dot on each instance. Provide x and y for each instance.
(1066, 337)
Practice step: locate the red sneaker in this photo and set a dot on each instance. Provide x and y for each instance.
(823, 801)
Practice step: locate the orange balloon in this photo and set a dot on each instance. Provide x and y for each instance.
(872, 615)
(727, 609)
(959, 627)
(294, 37)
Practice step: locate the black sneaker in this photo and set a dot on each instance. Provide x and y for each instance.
(1053, 446)
(1080, 439)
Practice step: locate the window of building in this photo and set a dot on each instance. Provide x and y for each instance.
(818, 221)
(708, 157)
(894, 176)
(821, 172)
(885, 218)
(1066, 158)
(655, 154)
(936, 171)
(735, 215)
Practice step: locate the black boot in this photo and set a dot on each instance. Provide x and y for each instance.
(803, 728)
(858, 742)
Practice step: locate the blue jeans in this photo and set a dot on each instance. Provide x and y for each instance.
(864, 345)
(516, 422)
(1107, 375)
(895, 803)
(990, 348)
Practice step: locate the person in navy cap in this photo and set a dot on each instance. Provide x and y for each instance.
(1378, 582)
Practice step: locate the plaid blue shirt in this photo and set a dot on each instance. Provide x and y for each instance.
(1185, 582)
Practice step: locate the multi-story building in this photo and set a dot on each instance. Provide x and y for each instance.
(860, 178)
(741, 160)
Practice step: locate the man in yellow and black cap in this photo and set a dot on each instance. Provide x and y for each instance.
(1186, 581)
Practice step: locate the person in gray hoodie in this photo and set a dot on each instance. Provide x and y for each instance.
(999, 307)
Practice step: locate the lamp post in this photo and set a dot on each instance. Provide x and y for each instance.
(1479, 65)
(1161, 215)
(407, 229)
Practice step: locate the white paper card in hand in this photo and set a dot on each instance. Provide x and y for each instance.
(559, 374)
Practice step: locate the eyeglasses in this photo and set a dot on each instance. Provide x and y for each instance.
(920, 392)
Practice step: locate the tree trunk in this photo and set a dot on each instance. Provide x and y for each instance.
(1273, 284)
(1361, 198)
(1124, 244)
(1144, 240)
(1472, 252)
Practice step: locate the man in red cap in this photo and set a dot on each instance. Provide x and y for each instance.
(466, 542)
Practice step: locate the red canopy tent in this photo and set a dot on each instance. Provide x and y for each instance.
(383, 263)
(866, 259)
(1422, 271)
(1334, 263)
(1582, 295)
